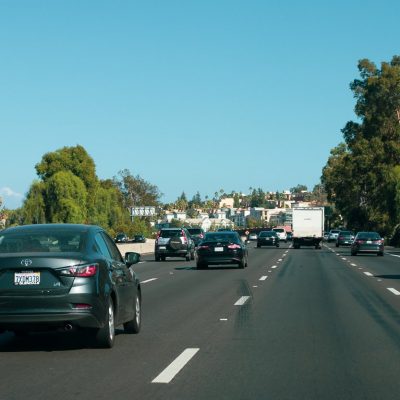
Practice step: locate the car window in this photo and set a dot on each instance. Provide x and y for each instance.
(51, 241)
(267, 234)
(170, 233)
(102, 246)
(115, 254)
(281, 230)
(194, 231)
(222, 237)
(368, 235)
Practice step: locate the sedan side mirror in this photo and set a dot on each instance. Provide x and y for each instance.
(131, 258)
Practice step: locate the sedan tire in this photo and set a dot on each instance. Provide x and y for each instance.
(105, 336)
(134, 325)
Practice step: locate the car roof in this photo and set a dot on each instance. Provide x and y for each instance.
(45, 227)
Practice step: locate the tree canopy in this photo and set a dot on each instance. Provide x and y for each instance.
(362, 174)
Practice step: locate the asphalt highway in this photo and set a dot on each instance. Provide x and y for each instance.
(296, 324)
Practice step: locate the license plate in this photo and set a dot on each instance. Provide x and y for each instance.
(162, 247)
(369, 241)
(219, 249)
(26, 278)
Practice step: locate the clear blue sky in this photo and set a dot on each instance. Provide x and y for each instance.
(190, 95)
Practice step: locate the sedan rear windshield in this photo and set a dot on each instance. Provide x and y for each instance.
(345, 233)
(195, 231)
(280, 230)
(37, 242)
(267, 234)
(170, 233)
(222, 237)
(368, 235)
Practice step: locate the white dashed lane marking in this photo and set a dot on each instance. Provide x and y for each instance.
(242, 300)
(368, 273)
(173, 369)
(149, 280)
(394, 291)
(263, 278)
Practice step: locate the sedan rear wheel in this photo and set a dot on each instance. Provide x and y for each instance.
(133, 326)
(105, 336)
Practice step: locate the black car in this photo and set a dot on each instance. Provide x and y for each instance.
(221, 248)
(66, 276)
(197, 234)
(121, 238)
(345, 238)
(139, 239)
(173, 242)
(268, 238)
(367, 242)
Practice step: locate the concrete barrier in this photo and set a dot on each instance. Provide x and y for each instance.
(142, 248)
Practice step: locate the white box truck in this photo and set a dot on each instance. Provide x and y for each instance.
(308, 226)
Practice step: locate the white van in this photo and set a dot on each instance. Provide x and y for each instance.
(281, 233)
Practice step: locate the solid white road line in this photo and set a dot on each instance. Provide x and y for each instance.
(368, 273)
(263, 278)
(172, 370)
(242, 300)
(394, 291)
(149, 280)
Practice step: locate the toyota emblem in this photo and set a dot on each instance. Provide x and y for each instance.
(26, 263)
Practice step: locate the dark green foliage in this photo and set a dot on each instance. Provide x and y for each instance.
(361, 176)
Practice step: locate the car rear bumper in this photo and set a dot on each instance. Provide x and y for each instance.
(369, 249)
(267, 243)
(51, 312)
(172, 253)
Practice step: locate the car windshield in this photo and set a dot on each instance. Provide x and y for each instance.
(194, 231)
(280, 230)
(221, 237)
(345, 233)
(368, 236)
(49, 241)
(169, 233)
(267, 234)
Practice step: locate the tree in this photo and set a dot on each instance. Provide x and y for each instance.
(66, 198)
(136, 191)
(360, 175)
(34, 208)
(73, 159)
(298, 189)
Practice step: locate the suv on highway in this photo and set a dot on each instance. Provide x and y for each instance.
(174, 242)
(281, 232)
(197, 234)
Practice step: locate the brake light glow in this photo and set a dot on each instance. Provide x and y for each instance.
(203, 247)
(81, 306)
(83, 271)
(201, 235)
(233, 246)
(184, 237)
(158, 234)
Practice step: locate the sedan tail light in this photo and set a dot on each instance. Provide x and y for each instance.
(83, 271)
(233, 246)
(203, 247)
(360, 241)
(380, 241)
